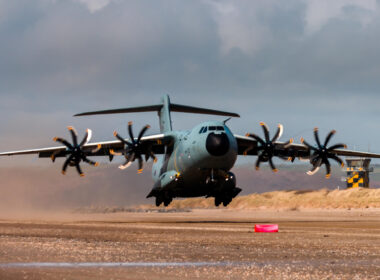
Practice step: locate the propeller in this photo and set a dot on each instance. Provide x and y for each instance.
(322, 153)
(134, 149)
(74, 152)
(266, 149)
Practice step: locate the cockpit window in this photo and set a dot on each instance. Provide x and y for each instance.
(219, 128)
(203, 129)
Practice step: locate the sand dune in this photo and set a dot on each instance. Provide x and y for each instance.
(295, 199)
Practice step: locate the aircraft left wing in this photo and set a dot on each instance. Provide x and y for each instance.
(266, 148)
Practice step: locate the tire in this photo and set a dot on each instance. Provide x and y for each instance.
(226, 201)
(158, 201)
(167, 201)
(217, 201)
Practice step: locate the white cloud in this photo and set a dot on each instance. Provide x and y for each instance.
(95, 5)
(239, 28)
(319, 12)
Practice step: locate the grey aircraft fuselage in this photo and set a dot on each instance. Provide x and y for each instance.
(198, 160)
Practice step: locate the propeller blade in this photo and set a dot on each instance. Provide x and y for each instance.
(303, 141)
(113, 153)
(315, 168)
(337, 159)
(130, 131)
(328, 169)
(316, 136)
(79, 170)
(274, 169)
(266, 131)
(86, 138)
(280, 130)
(332, 132)
(97, 149)
(153, 156)
(258, 161)
(74, 135)
(287, 144)
(313, 171)
(337, 146)
(140, 164)
(257, 138)
(121, 139)
(94, 163)
(64, 142)
(125, 165)
(66, 164)
(142, 132)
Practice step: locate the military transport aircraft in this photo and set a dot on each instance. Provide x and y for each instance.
(194, 162)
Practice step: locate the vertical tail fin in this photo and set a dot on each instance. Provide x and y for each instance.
(164, 115)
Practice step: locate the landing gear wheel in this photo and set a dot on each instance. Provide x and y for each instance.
(217, 201)
(167, 201)
(226, 201)
(158, 201)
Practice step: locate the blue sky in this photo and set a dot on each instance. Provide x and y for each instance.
(299, 63)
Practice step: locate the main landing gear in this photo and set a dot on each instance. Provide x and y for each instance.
(163, 199)
(226, 197)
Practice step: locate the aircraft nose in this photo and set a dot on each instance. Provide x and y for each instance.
(217, 144)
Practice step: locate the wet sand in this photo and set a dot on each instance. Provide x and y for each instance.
(202, 244)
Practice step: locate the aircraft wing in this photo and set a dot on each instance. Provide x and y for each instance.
(106, 148)
(248, 146)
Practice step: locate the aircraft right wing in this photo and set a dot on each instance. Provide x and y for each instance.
(75, 152)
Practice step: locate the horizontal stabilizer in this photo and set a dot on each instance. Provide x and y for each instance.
(123, 110)
(196, 110)
(157, 108)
